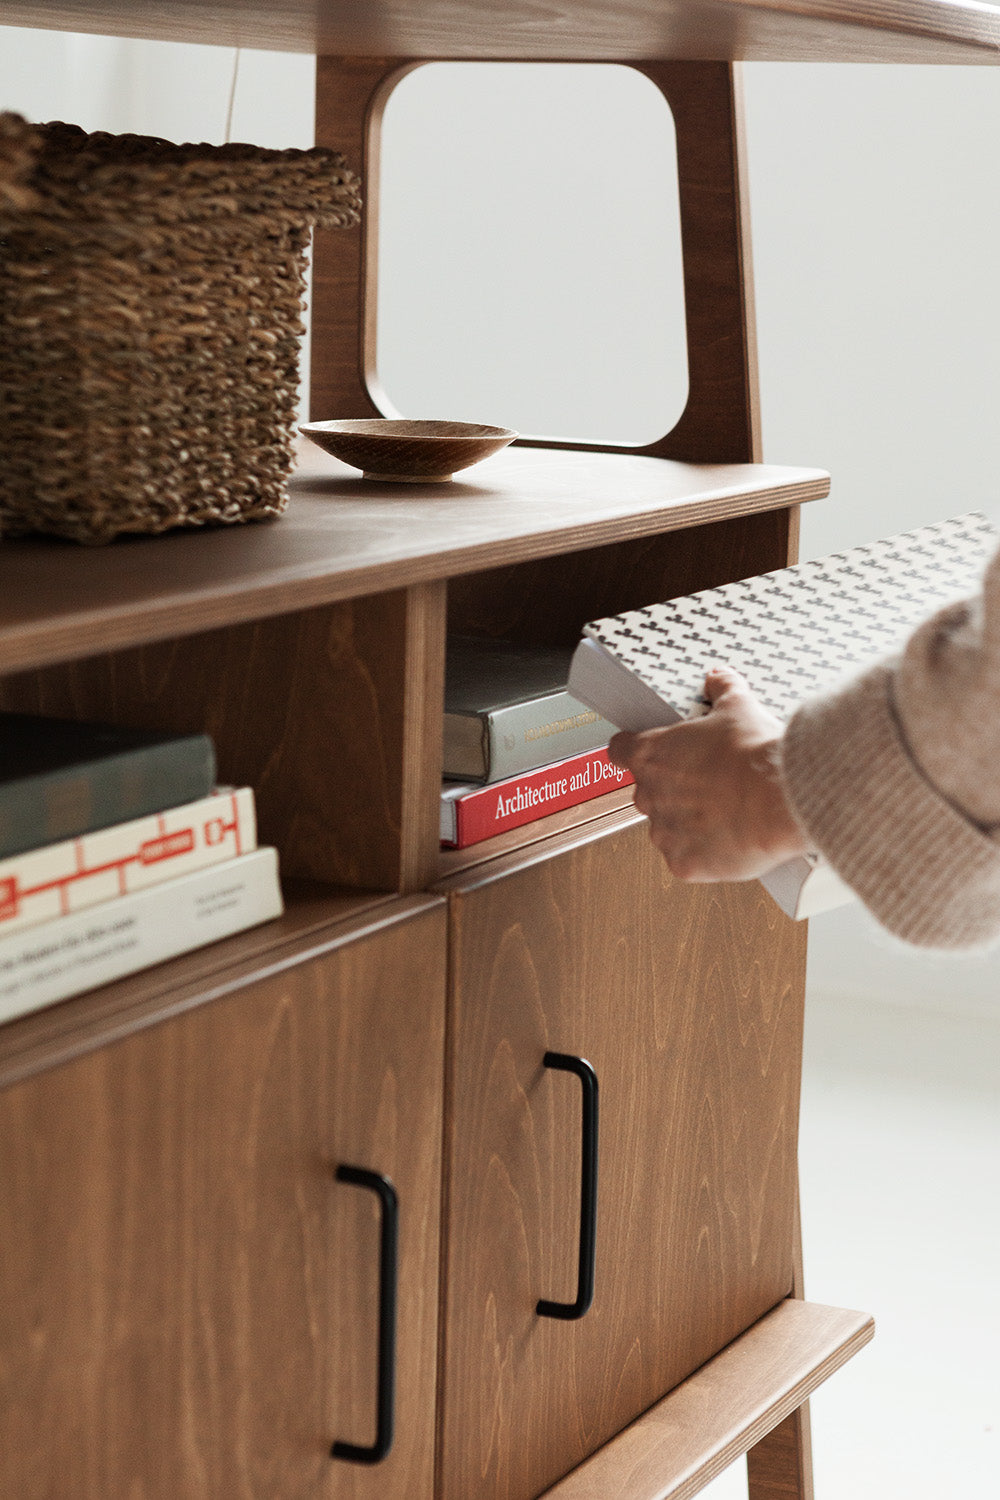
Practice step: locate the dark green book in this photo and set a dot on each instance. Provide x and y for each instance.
(59, 778)
(507, 710)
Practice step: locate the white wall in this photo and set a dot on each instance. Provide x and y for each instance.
(875, 196)
(157, 88)
(875, 199)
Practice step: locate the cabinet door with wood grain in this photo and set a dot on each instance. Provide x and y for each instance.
(684, 1003)
(196, 1298)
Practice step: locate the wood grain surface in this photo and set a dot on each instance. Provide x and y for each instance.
(887, 31)
(190, 1299)
(351, 93)
(332, 715)
(344, 537)
(683, 1442)
(548, 600)
(721, 419)
(779, 1466)
(687, 1002)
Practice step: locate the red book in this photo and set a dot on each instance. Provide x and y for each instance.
(470, 813)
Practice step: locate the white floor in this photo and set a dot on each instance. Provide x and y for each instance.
(900, 1170)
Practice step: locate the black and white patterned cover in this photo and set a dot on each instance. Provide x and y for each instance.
(798, 630)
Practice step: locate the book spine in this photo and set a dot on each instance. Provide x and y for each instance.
(526, 736)
(69, 955)
(484, 811)
(53, 881)
(64, 803)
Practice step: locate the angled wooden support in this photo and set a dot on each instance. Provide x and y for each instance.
(779, 1467)
(749, 1390)
(720, 422)
(350, 96)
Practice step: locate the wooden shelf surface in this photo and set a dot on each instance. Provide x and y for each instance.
(315, 919)
(344, 537)
(737, 1398)
(942, 31)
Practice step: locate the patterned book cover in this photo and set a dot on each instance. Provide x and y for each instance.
(791, 633)
(800, 629)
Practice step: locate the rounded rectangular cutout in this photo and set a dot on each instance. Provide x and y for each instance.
(529, 267)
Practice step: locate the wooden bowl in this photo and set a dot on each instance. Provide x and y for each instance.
(407, 452)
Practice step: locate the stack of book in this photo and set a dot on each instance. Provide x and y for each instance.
(117, 851)
(517, 744)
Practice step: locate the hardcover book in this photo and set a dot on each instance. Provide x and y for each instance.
(508, 710)
(57, 879)
(71, 954)
(60, 778)
(791, 633)
(472, 812)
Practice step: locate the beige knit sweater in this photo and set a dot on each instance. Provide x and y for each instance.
(895, 778)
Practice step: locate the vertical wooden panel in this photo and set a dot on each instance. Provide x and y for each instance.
(189, 1301)
(350, 94)
(332, 715)
(687, 1001)
(721, 421)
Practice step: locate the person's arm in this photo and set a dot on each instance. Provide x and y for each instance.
(894, 778)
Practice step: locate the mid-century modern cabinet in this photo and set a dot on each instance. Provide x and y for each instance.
(474, 1175)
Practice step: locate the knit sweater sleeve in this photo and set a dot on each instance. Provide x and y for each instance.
(895, 778)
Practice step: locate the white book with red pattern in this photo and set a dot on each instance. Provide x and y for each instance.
(57, 879)
(58, 959)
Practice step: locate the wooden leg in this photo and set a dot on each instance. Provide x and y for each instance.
(779, 1467)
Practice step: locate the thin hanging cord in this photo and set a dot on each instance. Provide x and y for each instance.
(232, 95)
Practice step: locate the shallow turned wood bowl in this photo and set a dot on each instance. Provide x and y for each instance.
(408, 452)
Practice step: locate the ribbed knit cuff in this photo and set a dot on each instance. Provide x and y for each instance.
(925, 872)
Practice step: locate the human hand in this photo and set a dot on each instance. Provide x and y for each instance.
(711, 787)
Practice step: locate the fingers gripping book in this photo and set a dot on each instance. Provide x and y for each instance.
(791, 633)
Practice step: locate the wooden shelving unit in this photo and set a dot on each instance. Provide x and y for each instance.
(191, 1301)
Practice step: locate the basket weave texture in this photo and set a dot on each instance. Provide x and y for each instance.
(151, 301)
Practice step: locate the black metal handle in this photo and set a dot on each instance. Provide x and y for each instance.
(588, 1189)
(388, 1281)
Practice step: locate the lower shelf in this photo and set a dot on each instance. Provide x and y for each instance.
(673, 1450)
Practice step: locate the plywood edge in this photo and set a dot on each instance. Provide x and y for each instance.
(731, 1403)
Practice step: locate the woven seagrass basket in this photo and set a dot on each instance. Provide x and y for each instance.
(151, 301)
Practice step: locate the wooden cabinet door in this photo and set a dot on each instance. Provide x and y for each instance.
(687, 1003)
(189, 1300)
